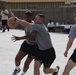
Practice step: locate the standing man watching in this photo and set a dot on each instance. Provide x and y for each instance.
(4, 18)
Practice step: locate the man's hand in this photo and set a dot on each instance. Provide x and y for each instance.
(65, 53)
(30, 37)
(15, 38)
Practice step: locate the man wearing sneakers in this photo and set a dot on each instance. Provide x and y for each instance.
(45, 54)
(28, 47)
(72, 60)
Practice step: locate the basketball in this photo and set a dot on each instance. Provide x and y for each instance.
(12, 23)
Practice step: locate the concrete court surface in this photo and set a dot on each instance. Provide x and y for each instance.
(9, 49)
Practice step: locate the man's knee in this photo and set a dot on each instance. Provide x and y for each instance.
(36, 67)
(45, 71)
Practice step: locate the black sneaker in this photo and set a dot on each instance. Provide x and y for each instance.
(8, 29)
(16, 71)
(3, 30)
(56, 71)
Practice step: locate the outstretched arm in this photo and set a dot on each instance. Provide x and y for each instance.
(21, 22)
(31, 36)
(24, 23)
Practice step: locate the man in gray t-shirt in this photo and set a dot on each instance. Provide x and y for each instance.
(72, 60)
(45, 53)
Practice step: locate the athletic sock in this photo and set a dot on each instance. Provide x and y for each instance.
(17, 67)
(23, 73)
(56, 69)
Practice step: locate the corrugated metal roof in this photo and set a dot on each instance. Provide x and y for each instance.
(35, 0)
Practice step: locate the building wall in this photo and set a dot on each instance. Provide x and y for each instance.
(51, 9)
(36, 0)
(34, 5)
(2, 3)
(61, 15)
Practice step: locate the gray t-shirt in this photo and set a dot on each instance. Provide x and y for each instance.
(27, 32)
(72, 33)
(43, 39)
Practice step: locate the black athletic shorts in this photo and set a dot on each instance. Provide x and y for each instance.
(46, 57)
(4, 22)
(29, 49)
(73, 56)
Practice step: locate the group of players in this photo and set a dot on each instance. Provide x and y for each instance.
(38, 46)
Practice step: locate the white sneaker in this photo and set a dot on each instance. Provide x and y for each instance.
(56, 71)
(16, 71)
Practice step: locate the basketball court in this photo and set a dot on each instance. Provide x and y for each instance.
(9, 49)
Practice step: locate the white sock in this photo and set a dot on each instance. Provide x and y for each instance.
(23, 73)
(56, 70)
(17, 67)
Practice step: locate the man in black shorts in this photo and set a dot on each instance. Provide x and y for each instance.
(28, 47)
(45, 53)
(72, 60)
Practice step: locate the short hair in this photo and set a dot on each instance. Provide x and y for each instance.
(41, 16)
(29, 13)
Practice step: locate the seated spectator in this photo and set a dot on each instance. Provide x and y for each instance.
(57, 24)
(50, 26)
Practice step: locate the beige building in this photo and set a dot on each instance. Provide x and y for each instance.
(35, 4)
(53, 9)
(69, 1)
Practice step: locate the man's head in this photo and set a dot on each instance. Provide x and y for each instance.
(39, 19)
(28, 16)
